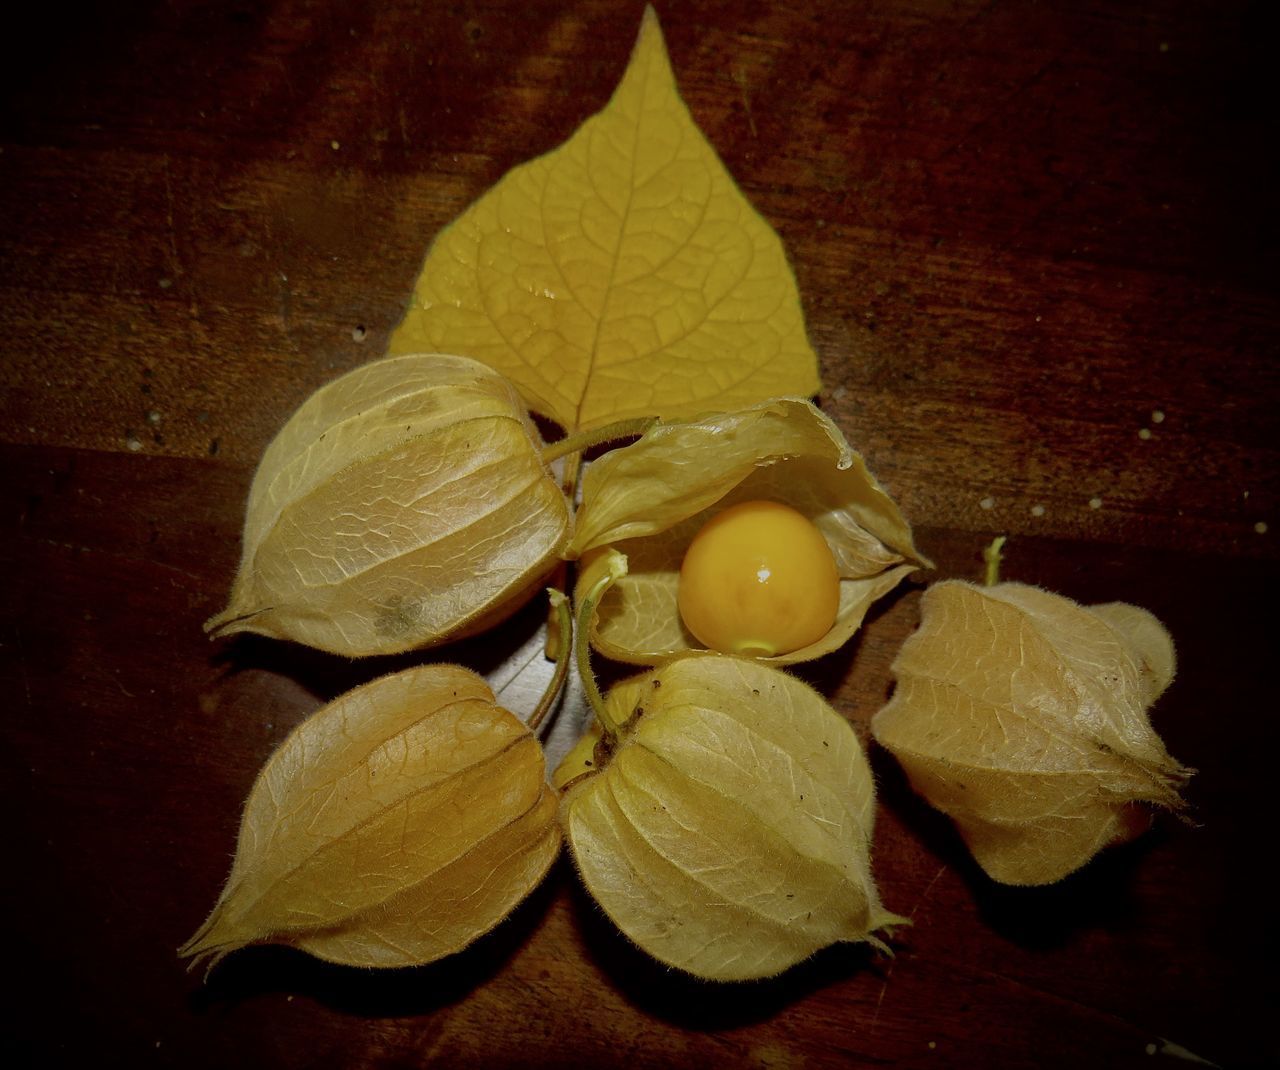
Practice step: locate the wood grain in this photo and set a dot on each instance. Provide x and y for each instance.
(1020, 231)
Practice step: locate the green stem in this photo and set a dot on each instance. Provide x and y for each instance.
(569, 488)
(992, 556)
(584, 440)
(560, 606)
(569, 478)
(582, 651)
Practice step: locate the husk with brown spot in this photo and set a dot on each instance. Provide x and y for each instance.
(399, 507)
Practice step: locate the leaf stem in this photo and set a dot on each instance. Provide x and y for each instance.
(569, 488)
(616, 567)
(584, 440)
(992, 556)
(571, 472)
(564, 620)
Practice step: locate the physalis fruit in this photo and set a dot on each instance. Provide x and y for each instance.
(758, 580)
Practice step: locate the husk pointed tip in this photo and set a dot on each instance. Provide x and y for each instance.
(887, 919)
(212, 626)
(239, 610)
(201, 935)
(886, 923)
(880, 929)
(240, 600)
(1174, 779)
(204, 949)
(223, 624)
(213, 940)
(209, 959)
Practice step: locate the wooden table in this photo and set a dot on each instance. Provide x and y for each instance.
(1036, 244)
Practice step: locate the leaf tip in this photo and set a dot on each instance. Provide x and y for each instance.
(650, 23)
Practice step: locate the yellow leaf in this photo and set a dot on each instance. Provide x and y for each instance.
(729, 835)
(1023, 716)
(402, 505)
(622, 274)
(648, 500)
(392, 828)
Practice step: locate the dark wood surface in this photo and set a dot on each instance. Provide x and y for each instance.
(1019, 229)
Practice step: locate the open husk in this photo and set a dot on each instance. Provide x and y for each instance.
(1023, 716)
(649, 499)
(391, 828)
(728, 833)
(401, 506)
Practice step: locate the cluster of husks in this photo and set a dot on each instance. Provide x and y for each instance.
(720, 812)
(408, 503)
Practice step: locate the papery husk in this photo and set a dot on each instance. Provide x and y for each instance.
(648, 500)
(402, 504)
(392, 828)
(1023, 716)
(729, 833)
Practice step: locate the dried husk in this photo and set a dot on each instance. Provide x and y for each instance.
(649, 499)
(392, 828)
(729, 833)
(1023, 716)
(402, 505)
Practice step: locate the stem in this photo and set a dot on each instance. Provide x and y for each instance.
(560, 606)
(992, 556)
(582, 650)
(584, 440)
(558, 639)
(582, 642)
(570, 447)
(569, 488)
